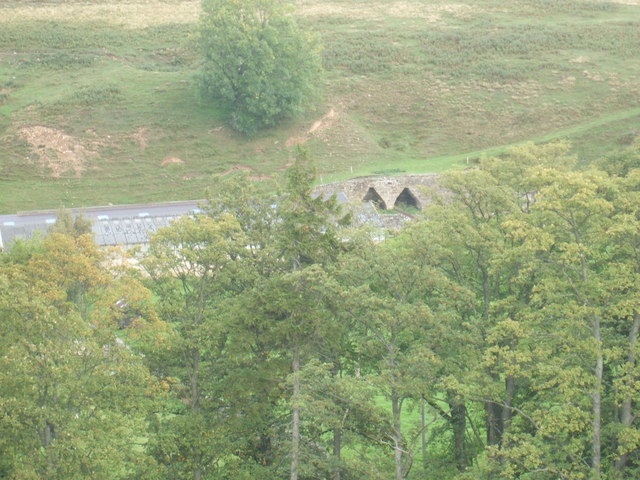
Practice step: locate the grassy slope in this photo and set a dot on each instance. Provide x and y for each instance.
(415, 85)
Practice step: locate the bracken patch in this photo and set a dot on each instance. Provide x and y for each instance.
(384, 10)
(140, 14)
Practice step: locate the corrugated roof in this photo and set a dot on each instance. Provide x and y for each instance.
(112, 225)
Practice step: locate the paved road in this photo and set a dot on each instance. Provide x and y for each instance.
(110, 211)
(112, 225)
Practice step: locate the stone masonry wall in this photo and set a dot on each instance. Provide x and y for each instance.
(388, 189)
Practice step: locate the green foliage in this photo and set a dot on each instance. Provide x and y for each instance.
(364, 53)
(89, 96)
(307, 234)
(495, 340)
(418, 88)
(22, 250)
(73, 396)
(68, 224)
(257, 61)
(192, 266)
(62, 35)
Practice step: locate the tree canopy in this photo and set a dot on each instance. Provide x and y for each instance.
(257, 61)
(495, 338)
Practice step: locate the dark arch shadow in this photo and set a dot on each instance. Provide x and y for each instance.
(372, 196)
(406, 199)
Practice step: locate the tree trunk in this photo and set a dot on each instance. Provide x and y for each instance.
(195, 388)
(48, 434)
(263, 451)
(493, 411)
(195, 404)
(596, 396)
(423, 431)
(337, 432)
(494, 423)
(295, 414)
(626, 414)
(507, 410)
(597, 401)
(396, 407)
(337, 452)
(459, 424)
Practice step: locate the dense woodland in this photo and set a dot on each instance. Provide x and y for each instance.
(273, 338)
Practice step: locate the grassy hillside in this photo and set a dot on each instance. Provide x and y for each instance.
(99, 103)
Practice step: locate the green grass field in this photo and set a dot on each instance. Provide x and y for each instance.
(99, 100)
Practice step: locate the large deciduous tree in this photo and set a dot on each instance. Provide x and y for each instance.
(73, 395)
(193, 266)
(257, 61)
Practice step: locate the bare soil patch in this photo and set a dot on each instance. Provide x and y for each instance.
(142, 137)
(57, 151)
(343, 137)
(323, 123)
(237, 168)
(259, 178)
(293, 141)
(315, 130)
(172, 161)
